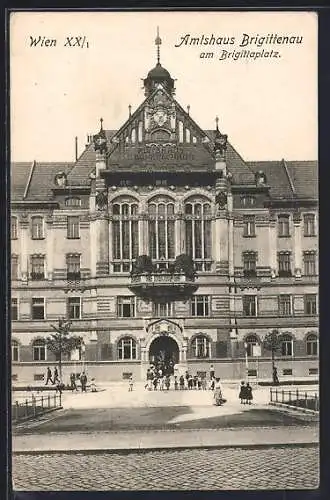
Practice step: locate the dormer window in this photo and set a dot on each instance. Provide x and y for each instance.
(260, 178)
(60, 179)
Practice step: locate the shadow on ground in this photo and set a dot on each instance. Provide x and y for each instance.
(121, 419)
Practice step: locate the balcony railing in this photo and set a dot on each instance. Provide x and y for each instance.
(162, 283)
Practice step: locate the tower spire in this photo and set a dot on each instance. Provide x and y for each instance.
(158, 43)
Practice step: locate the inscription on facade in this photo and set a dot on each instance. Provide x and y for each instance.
(156, 152)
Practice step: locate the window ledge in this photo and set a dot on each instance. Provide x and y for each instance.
(249, 235)
(41, 238)
(310, 235)
(73, 238)
(284, 235)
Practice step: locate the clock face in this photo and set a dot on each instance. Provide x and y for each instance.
(160, 117)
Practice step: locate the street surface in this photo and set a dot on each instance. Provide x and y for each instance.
(193, 469)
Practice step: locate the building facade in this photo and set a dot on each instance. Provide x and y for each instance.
(105, 242)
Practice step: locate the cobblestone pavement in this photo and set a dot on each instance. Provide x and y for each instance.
(195, 469)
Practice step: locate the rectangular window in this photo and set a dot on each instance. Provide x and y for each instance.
(162, 309)
(39, 354)
(13, 228)
(37, 228)
(14, 309)
(73, 266)
(37, 267)
(73, 223)
(249, 305)
(249, 226)
(126, 307)
(309, 263)
(74, 308)
(309, 225)
(284, 264)
(200, 305)
(284, 305)
(14, 267)
(250, 264)
(14, 351)
(38, 308)
(310, 304)
(283, 225)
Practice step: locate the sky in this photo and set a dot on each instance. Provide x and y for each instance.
(267, 106)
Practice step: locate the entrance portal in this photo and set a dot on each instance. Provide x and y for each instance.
(164, 354)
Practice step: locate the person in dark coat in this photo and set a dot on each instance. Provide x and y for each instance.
(83, 381)
(49, 376)
(249, 395)
(181, 383)
(155, 383)
(167, 382)
(176, 385)
(242, 393)
(275, 377)
(56, 377)
(73, 382)
(212, 372)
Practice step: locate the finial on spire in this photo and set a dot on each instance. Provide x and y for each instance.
(101, 122)
(188, 108)
(217, 122)
(129, 110)
(158, 43)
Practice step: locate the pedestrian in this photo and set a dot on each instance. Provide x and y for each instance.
(190, 382)
(249, 395)
(93, 385)
(148, 378)
(212, 372)
(187, 379)
(56, 377)
(242, 392)
(130, 384)
(204, 384)
(73, 382)
(275, 377)
(217, 392)
(49, 376)
(162, 383)
(212, 384)
(195, 382)
(155, 383)
(83, 381)
(167, 382)
(199, 382)
(176, 385)
(181, 382)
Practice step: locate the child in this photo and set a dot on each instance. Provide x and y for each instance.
(93, 386)
(248, 396)
(130, 384)
(242, 394)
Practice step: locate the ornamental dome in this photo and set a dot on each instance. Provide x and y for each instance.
(158, 75)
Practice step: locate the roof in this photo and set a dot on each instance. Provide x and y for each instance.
(34, 181)
(289, 179)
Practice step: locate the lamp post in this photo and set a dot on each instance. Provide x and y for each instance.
(246, 360)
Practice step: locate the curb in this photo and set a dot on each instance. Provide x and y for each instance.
(126, 451)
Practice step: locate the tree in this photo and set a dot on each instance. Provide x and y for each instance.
(62, 342)
(184, 264)
(272, 343)
(143, 264)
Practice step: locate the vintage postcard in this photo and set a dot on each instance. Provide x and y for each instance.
(164, 250)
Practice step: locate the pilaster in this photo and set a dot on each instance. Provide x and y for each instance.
(50, 248)
(24, 237)
(297, 246)
(272, 246)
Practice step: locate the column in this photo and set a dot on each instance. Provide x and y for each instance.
(24, 247)
(102, 250)
(272, 250)
(297, 246)
(50, 249)
(230, 236)
(93, 243)
(179, 241)
(141, 225)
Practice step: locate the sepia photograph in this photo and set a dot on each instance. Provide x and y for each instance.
(164, 241)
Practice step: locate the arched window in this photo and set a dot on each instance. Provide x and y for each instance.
(312, 344)
(201, 347)
(251, 341)
(37, 227)
(286, 342)
(39, 350)
(125, 233)
(126, 348)
(161, 230)
(198, 232)
(14, 350)
(13, 228)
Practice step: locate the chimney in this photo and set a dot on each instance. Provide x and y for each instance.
(76, 147)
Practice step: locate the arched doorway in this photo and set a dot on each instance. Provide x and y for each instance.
(164, 353)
